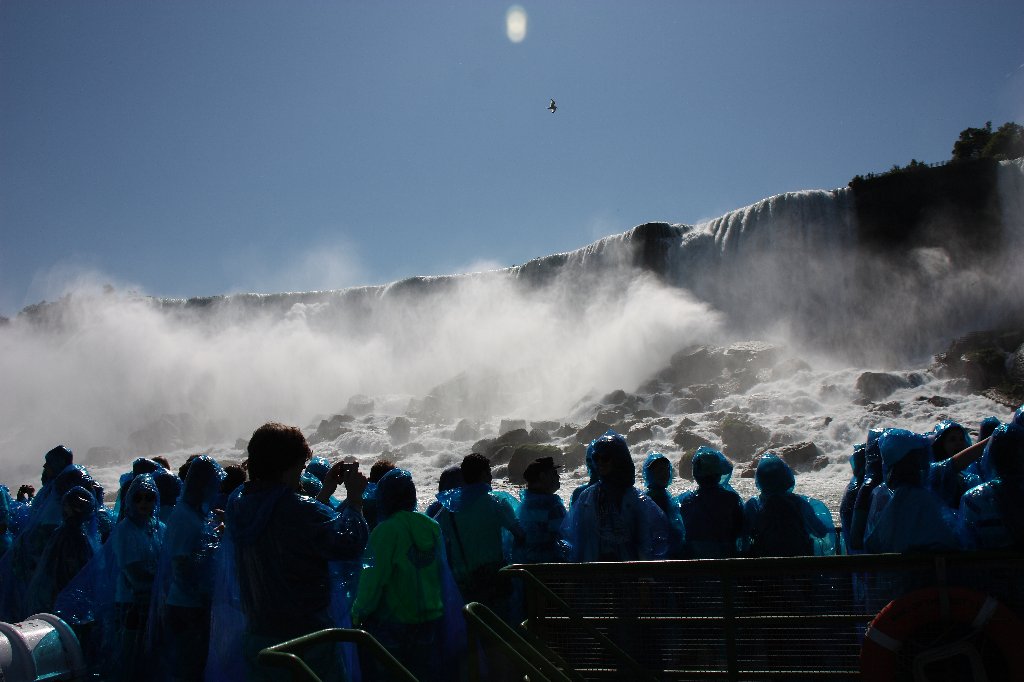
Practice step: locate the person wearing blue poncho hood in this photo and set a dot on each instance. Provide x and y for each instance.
(781, 523)
(658, 474)
(862, 503)
(6, 536)
(406, 590)
(18, 566)
(712, 515)
(992, 515)
(282, 544)
(474, 521)
(612, 520)
(184, 586)
(541, 514)
(70, 547)
(846, 505)
(948, 476)
(591, 471)
(135, 546)
(914, 518)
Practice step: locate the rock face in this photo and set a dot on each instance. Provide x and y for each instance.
(465, 430)
(360, 405)
(399, 429)
(524, 454)
(990, 362)
(741, 436)
(877, 386)
(799, 456)
(332, 427)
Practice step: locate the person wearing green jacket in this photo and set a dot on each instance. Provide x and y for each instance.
(406, 590)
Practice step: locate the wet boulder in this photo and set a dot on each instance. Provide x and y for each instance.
(464, 431)
(331, 428)
(524, 454)
(507, 425)
(694, 365)
(591, 431)
(799, 456)
(741, 436)
(360, 405)
(875, 386)
(400, 429)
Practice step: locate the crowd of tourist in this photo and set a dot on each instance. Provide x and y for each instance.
(193, 573)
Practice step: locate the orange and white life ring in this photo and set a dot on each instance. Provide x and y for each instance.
(882, 654)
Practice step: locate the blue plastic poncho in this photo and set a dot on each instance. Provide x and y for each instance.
(612, 520)
(284, 569)
(6, 520)
(18, 565)
(70, 547)
(991, 515)
(913, 518)
(781, 523)
(450, 478)
(862, 505)
(111, 594)
(588, 459)
(944, 479)
(541, 516)
(712, 515)
(179, 626)
(1018, 417)
(479, 526)
(169, 486)
(987, 426)
(846, 505)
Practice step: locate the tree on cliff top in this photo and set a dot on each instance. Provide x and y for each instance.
(978, 143)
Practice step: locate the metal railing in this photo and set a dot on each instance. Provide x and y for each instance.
(287, 654)
(739, 619)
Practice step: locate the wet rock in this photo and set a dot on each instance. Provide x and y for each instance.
(539, 436)
(639, 433)
(741, 436)
(939, 401)
(548, 425)
(1015, 369)
(242, 444)
(820, 463)
(877, 386)
(103, 456)
(410, 449)
(524, 454)
(331, 428)
(751, 355)
(465, 430)
(169, 432)
(694, 365)
(616, 397)
(661, 401)
(360, 405)
(399, 429)
(788, 368)
(611, 416)
(565, 430)
(492, 447)
(891, 408)
(685, 405)
(799, 456)
(591, 431)
(507, 425)
(687, 440)
(646, 414)
(706, 393)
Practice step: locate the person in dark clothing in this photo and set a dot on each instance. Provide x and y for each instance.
(713, 513)
(849, 500)
(283, 544)
(450, 479)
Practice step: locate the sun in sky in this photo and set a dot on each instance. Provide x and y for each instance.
(515, 24)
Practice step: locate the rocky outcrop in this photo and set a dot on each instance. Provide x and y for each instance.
(990, 362)
(524, 454)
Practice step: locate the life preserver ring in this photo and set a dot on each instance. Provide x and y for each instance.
(880, 655)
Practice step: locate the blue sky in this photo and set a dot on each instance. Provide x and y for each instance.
(195, 148)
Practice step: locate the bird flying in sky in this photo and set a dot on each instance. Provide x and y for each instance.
(552, 107)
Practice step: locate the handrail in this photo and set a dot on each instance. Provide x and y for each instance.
(514, 646)
(282, 656)
(638, 671)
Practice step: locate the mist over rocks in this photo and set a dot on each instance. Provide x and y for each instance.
(665, 332)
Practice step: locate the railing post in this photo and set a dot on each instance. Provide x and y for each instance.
(729, 604)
